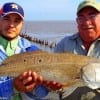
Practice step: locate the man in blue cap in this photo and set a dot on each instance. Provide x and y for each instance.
(25, 86)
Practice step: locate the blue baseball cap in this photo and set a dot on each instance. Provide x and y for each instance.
(12, 7)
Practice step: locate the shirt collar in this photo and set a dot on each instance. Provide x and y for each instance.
(13, 43)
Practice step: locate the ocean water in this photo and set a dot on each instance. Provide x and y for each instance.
(50, 27)
(49, 31)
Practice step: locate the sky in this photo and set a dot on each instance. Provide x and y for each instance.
(43, 10)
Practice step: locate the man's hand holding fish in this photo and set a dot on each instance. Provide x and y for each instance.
(29, 80)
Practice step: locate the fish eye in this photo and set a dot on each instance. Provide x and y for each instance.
(24, 60)
(40, 60)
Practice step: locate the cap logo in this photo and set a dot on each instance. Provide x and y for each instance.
(14, 6)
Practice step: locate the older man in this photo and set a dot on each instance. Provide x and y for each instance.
(85, 42)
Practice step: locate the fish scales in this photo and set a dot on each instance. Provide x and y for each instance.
(60, 67)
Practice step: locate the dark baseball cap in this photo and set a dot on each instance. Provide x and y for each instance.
(12, 7)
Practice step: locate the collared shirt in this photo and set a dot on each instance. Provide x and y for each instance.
(6, 83)
(9, 46)
(74, 45)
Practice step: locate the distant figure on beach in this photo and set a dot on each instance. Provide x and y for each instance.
(28, 85)
(85, 42)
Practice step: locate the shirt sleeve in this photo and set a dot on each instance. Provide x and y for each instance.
(32, 48)
(6, 87)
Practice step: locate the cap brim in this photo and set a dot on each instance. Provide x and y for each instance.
(4, 14)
